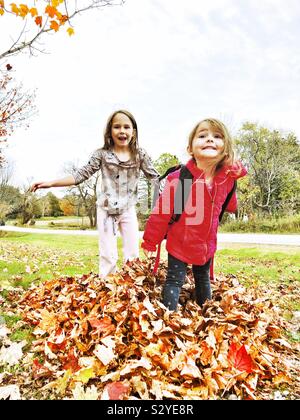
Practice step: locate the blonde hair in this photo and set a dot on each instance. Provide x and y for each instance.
(108, 141)
(227, 155)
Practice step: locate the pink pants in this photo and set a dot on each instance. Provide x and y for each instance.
(108, 227)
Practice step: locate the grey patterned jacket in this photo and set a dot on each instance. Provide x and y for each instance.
(119, 180)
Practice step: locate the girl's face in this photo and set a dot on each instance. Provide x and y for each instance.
(122, 130)
(208, 142)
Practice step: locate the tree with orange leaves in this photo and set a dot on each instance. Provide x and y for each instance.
(44, 16)
(16, 106)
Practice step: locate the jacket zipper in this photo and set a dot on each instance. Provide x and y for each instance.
(212, 209)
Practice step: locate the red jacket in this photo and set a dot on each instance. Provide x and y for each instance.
(193, 239)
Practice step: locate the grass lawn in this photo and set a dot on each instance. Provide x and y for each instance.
(26, 257)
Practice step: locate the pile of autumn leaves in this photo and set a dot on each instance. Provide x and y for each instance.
(114, 339)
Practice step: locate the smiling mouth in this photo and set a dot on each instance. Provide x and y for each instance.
(209, 148)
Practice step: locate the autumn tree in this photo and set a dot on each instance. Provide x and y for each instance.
(40, 17)
(16, 106)
(68, 205)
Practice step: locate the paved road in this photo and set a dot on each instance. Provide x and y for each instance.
(246, 238)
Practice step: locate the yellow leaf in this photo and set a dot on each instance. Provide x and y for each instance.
(70, 31)
(84, 375)
(1, 12)
(54, 25)
(48, 321)
(60, 384)
(33, 11)
(55, 3)
(15, 9)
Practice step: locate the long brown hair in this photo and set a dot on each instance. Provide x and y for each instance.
(227, 156)
(108, 141)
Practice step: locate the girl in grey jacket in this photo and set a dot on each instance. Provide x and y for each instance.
(119, 161)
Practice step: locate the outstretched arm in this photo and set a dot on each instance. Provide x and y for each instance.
(62, 182)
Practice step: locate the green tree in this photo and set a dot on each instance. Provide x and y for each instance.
(146, 187)
(165, 161)
(11, 199)
(53, 205)
(273, 158)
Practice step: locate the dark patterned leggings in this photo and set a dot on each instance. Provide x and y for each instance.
(175, 279)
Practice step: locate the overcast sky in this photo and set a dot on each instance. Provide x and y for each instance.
(171, 63)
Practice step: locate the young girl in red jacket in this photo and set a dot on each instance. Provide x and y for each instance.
(193, 238)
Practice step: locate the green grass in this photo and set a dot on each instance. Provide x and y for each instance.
(64, 242)
(260, 264)
(70, 255)
(18, 334)
(28, 257)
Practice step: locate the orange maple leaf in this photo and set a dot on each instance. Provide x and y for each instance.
(54, 25)
(33, 11)
(23, 10)
(239, 358)
(51, 11)
(62, 18)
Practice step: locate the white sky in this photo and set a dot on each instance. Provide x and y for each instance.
(171, 63)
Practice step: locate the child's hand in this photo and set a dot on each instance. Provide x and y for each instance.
(38, 185)
(148, 254)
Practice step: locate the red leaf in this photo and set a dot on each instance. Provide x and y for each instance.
(38, 20)
(71, 362)
(103, 325)
(40, 371)
(239, 358)
(116, 390)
